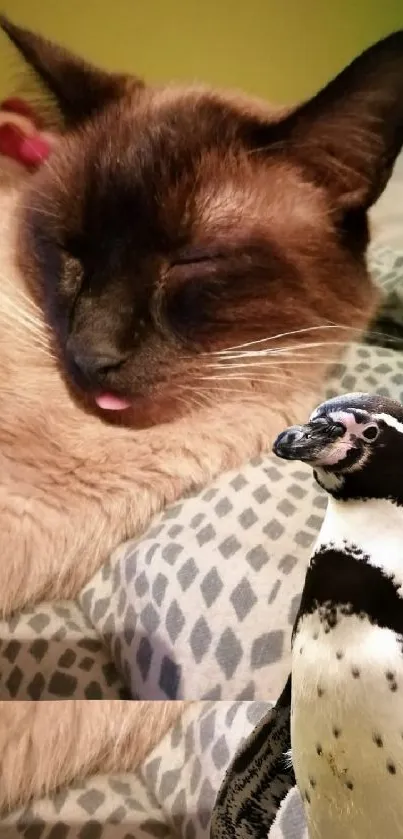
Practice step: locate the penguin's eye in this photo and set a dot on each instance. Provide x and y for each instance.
(371, 432)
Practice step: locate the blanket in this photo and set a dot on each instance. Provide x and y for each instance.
(202, 605)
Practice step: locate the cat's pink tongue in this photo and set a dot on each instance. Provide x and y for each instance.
(109, 402)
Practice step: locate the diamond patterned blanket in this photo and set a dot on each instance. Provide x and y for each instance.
(208, 595)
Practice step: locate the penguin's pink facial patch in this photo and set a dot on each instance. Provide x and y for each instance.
(349, 420)
(355, 426)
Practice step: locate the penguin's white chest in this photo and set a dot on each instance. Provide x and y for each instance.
(347, 727)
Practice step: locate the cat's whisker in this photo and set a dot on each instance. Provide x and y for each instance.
(34, 340)
(275, 363)
(238, 390)
(36, 209)
(30, 305)
(281, 351)
(33, 316)
(26, 334)
(294, 350)
(245, 379)
(30, 339)
(21, 294)
(270, 377)
(42, 352)
(25, 327)
(276, 350)
(184, 402)
(276, 337)
(190, 394)
(6, 280)
(247, 395)
(24, 319)
(35, 192)
(270, 339)
(279, 336)
(384, 336)
(208, 394)
(45, 349)
(223, 357)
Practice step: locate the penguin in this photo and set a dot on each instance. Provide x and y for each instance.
(337, 730)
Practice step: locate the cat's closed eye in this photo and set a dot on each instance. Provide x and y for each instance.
(189, 303)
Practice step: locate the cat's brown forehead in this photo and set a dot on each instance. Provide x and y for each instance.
(222, 116)
(182, 153)
(181, 123)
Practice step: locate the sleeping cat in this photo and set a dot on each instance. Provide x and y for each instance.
(173, 234)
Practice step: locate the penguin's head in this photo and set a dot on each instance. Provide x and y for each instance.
(354, 444)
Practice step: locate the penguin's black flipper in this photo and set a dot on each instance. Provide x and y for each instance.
(258, 779)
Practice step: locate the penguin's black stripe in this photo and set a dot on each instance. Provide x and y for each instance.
(345, 578)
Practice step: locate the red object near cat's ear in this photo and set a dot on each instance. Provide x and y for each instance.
(20, 137)
(30, 151)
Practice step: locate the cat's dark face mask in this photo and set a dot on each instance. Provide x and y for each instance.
(177, 236)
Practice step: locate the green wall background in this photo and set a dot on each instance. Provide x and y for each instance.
(280, 49)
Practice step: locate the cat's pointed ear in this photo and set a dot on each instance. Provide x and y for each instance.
(351, 132)
(78, 88)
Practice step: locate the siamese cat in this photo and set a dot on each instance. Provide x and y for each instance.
(180, 250)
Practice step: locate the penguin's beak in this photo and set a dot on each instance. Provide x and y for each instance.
(308, 442)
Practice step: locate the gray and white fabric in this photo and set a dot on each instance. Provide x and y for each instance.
(203, 604)
(170, 796)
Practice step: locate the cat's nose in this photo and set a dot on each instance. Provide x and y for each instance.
(94, 364)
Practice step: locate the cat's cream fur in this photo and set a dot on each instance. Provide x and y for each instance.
(45, 745)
